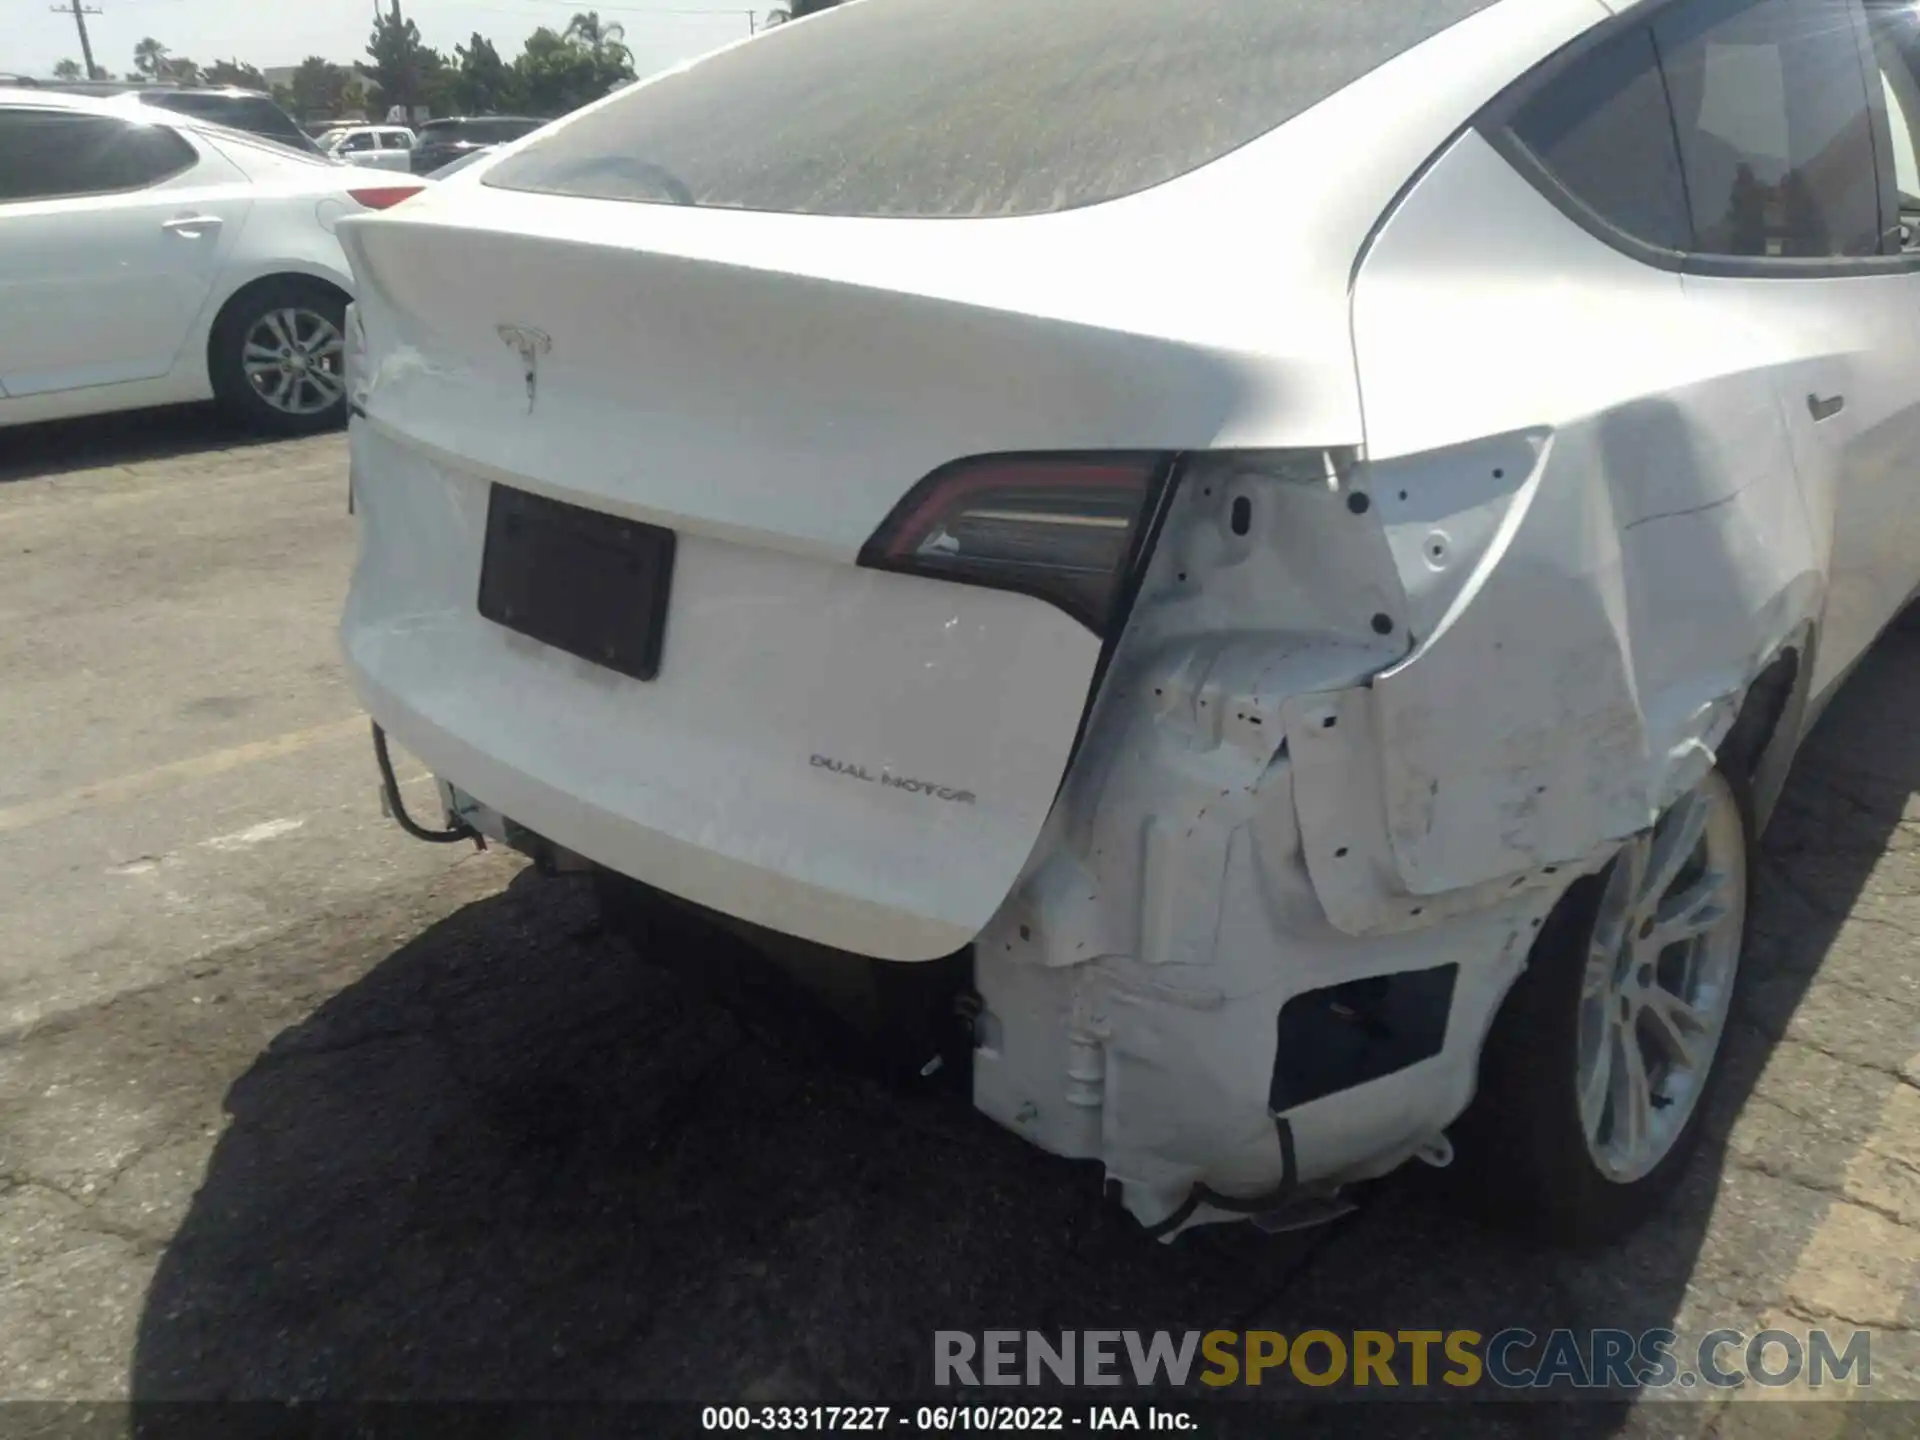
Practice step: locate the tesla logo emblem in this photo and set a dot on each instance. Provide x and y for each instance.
(530, 344)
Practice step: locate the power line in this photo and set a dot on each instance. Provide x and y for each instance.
(80, 13)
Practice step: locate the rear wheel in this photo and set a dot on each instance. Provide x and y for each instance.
(277, 354)
(1594, 1076)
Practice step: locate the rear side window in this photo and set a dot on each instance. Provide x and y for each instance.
(1895, 36)
(943, 108)
(1601, 128)
(1776, 137)
(47, 154)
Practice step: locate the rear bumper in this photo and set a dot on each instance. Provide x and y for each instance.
(478, 750)
(708, 784)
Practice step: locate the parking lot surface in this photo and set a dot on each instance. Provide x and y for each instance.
(292, 1106)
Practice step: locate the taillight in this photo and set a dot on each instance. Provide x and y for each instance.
(1060, 527)
(383, 197)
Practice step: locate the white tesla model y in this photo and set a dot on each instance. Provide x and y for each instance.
(1286, 548)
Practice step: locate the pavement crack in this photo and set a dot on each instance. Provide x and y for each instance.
(1873, 1067)
(1820, 1314)
(1833, 1190)
(1854, 987)
(89, 1218)
(1865, 1144)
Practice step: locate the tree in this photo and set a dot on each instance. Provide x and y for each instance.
(799, 10)
(232, 72)
(562, 72)
(405, 71)
(482, 83)
(154, 61)
(67, 70)
(150, 58)
(319, 89)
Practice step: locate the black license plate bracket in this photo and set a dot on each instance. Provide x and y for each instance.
(592, 584)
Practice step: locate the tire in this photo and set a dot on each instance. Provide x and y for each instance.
(316, 348)
(1526, 1154)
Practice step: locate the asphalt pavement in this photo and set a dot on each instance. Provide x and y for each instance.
(294, 1107)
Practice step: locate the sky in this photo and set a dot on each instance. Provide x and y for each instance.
(284, 32)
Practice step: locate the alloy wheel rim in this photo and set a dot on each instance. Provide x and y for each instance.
(1658, 983)
(292, 358)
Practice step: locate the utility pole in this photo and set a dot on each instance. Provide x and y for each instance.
(80, 13)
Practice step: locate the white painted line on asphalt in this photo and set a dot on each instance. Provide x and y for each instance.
(162, 777)
(65, 503)
(253, 835)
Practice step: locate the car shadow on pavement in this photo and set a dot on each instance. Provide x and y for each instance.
(511, 1163)
(128, 437)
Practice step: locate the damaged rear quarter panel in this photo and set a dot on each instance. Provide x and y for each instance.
(1599, 534)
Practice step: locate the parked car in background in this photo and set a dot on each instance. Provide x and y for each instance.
(251, 110)
(148, 258)
(440, 142)
(1269, 627)
(386, 147)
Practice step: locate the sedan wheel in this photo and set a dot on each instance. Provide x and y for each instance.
(278, 354)
(292, 358)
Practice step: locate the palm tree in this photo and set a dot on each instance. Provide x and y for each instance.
(150, 58)
(590, 31)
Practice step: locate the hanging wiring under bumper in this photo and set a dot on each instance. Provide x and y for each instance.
(390, 788)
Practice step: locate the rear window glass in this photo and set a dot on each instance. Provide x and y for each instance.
(498, 132)
(253, 113)
(232, 140)
(972, 107)
(477, 132)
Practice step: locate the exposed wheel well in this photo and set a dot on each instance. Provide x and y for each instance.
(1765, 736)
(1754, 729)
(253, 287)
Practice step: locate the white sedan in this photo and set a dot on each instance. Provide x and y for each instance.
(148, 258)
(1271, 558)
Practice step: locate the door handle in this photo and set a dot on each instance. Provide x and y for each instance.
(191, 225)
(1825, 408)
